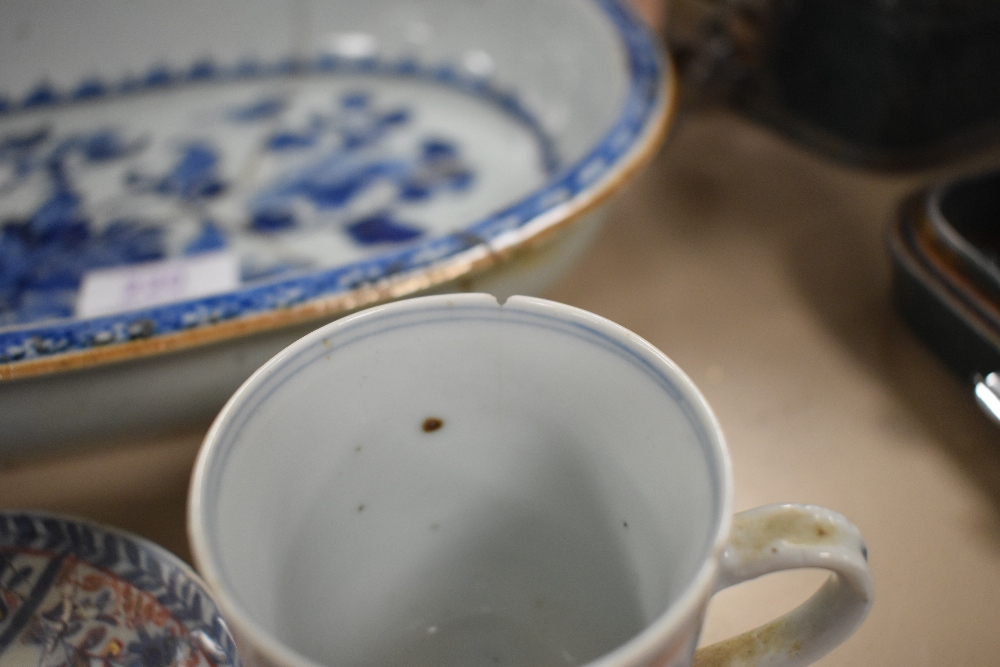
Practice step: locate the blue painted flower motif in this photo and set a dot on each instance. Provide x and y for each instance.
(210, 239)
(193, 178)
(45, 253)
(76, 595)
(14, 576)
(17, 154)
(358, 165)
(44, 256)
(43, 95)
(382, 228)
(23, 153)
(89, 89)
(41, 265)
(263, 109)
(53, 630)
(439, 167)
(288, 140)
(161, 649)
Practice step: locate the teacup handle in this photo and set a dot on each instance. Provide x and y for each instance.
(785, 537)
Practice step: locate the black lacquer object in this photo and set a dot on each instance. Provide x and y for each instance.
(945, 247)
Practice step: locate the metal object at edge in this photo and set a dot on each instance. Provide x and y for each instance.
(988, 395)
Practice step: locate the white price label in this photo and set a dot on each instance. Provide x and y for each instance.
(120, 289)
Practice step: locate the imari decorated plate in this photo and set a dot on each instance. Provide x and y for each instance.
(74, 594)
(187, 186)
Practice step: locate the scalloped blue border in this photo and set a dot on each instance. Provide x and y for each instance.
(646, 72)
(291, 365)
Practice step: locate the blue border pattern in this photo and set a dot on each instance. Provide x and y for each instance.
(56, 337)
(145, 566)
(358, 331)
(387, 321)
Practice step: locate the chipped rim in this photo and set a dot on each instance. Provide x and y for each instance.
(630, 143)
(663, 639)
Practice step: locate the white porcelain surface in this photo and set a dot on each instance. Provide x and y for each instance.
(525, 117)
(448, 480)
(563, 55)
(496, 155)
(361, 129)
(153, 395)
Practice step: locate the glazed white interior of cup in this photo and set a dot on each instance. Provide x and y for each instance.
(450, 481)
(563, 58)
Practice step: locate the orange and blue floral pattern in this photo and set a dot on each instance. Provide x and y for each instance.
(73, 594)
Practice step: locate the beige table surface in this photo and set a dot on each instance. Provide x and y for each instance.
(760, 269)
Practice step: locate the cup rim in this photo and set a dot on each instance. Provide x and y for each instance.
(639, 648)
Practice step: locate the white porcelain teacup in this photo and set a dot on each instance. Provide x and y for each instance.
(451, 481)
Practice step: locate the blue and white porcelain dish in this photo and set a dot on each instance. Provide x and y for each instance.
(75, 593)
(175, 175)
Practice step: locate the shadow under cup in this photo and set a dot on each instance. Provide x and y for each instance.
(449, 481)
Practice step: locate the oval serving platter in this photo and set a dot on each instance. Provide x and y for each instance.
(208, 202)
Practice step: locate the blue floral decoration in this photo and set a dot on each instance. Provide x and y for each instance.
(193, 178)
(84, 595)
